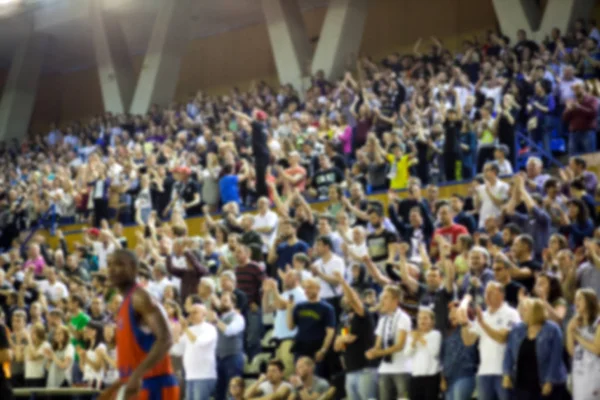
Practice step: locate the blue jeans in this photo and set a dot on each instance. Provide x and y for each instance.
(489, 387)
(227, 368)
(200, 389)
(582, 142)
(460, 389)
(254, 333)
(361, 385)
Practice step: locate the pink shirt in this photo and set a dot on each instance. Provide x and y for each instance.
(346, 139)
(38, 265)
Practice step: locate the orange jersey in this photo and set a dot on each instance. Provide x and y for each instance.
(134, 343)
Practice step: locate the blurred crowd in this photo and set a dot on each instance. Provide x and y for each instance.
(492, 294)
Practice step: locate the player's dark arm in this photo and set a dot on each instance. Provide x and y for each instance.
(156, 320)
(4, 345)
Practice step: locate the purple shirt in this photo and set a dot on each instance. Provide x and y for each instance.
(38, 265)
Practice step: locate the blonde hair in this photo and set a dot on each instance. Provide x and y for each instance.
(537, 312)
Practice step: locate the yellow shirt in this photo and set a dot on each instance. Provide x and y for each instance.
(398, 171)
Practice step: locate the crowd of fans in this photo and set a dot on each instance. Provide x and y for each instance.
(415, 297)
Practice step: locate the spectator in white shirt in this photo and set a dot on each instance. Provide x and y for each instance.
(51, 287)
(491, 196)
(504, 165)
(392, 329)
(423, 346)
(324, 268)
(199, 356)
(265, 223)
(492, 328)
(35, 363)
(273, 300)
(270, 385)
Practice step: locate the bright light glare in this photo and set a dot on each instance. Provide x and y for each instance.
(7, 2)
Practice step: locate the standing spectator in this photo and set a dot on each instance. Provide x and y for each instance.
(459, 360)
(491, 196)
(355, 337)
(526, 267)
(315, 320)
(35, 371)
(583, 336)
(381, 242)
(423, 345)
(199, 338)
(265, 223)
(20, 341)
(324, 269)
(581, 114)
(249, 277)
(449, 231)
(533, 361)
(392, 330)
(513, 290)
(492, 327)
(61, 359)
(189, 276)
(273, 300)
(35, 260)
(284, 248)
(451, 150)
(230, 344)
(576, 225)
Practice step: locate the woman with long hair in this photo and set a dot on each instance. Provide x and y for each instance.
(533, 360)
(90, 356)
(576, 224)
(556, 243)
(423, 346)
(60, 359)
(548, 289)
(35, 362)
(108, 355)
(583, 344)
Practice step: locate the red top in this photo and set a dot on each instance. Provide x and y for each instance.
(450, 233)
(134, 343)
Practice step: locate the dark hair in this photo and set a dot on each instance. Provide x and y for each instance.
(458, 196)
(580, 162)
(527, 239)
(555, 290)
(513, 228)
(376, 208)
(277, 363)
(550, 183)
(303, 258)
(79, 300)
(325, 240)
(583, 214)
(578, 184)
(493, 166)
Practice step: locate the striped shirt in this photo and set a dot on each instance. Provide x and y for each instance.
(249, 280)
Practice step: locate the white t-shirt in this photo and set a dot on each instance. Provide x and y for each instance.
(388, 329)
(89, 373)
(280, 327)
(269, 220)
(53, 292)
(334, 264)
(425, 359)
(103, 252)
(491, 352)
(199, 357)
(488, 208)
(266, 388)
(36, 369)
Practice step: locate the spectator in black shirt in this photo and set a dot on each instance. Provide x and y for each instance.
(356, 336)
(451, 151)
(525, 267)
(457, 203)
(512, 290)
(326, 175)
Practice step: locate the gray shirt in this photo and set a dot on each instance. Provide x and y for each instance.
(588, 276)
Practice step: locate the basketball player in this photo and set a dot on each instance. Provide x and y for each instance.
(143, 335)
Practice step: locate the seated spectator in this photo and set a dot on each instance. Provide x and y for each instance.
(270, 384)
